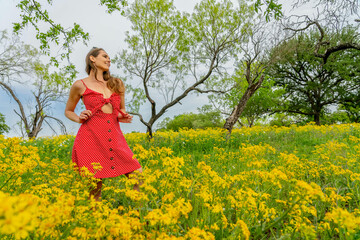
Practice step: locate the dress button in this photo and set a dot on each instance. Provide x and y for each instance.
(109, 139)
(109, 130)
(111, 158)
(108, 121)
(110, 149)
(112, 167)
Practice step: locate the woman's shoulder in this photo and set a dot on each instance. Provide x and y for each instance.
(79, 84)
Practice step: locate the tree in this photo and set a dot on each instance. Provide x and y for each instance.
(333, 19)
(272, 10)
(336, 117)
(206, 118)
(173, 54)
(18, 60)
(262, 103)
(281, 119)
(312, 83)
(34, 13)
(335, 32)
(249, 74)
(254, 79)
(351, 107)
(49, 88)
(15, 57)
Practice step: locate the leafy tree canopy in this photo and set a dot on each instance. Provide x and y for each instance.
(206, 118)
(311, 84)
(35, 12)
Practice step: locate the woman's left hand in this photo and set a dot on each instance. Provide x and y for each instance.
(125, 118)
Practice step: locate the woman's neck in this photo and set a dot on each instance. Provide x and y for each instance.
(99, 75)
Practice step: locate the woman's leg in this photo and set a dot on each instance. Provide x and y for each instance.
(96, 192)
(135, 175)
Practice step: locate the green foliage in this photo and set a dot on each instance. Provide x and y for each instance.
(258, 176)
(286, 119)
(336, 117)
(219, 26)
(352, 109)
(46, 86)
(3, 127)
(264, 101)
(170, 53)
(152, 48)
(49, 81)
(207, 118)
(312, 85)
(273, 9)
(114, 5)
(33, 13)
(18, 58)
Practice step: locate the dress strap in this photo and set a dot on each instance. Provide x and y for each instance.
(84, 83)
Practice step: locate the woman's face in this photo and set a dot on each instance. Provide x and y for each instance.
(102, 61)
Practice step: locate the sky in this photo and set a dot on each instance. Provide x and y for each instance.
(106, 31)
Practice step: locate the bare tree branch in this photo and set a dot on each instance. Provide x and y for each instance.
(211, 91)
(330, 50)
(22, 114)
(63, 128)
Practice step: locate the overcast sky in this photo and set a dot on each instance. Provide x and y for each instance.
(106, 31)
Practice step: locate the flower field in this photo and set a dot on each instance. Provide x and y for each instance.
(261, 183)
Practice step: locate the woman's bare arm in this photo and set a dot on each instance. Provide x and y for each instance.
(74, 96)
(127, 118)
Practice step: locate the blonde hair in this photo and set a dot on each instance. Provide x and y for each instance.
(114, 84)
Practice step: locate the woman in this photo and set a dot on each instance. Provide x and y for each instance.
(99, 139)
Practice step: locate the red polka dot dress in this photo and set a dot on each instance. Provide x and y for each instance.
(100, 139)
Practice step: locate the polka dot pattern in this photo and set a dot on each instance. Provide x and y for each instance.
(100, 139)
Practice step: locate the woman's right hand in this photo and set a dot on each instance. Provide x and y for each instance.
(84, 115)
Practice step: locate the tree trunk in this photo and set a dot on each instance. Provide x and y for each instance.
(239, 108)
(22, 114)
(251, 121)
(149, 131)
(317, 118)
